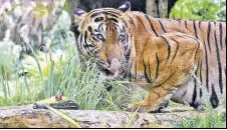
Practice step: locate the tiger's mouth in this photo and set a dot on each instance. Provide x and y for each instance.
(113, 73)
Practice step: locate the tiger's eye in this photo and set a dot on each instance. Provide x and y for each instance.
(121, 37)
(98, 37)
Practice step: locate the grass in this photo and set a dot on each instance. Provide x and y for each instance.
(211, 119)
(43, 75)
(63, 74)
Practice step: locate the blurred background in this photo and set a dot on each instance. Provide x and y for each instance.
(38, 55)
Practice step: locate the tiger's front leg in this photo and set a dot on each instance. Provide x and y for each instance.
(156, 99)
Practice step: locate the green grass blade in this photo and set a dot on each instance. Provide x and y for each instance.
(132, 118)
(62, 115)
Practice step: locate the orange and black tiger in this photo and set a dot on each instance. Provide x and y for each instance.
(171, 59)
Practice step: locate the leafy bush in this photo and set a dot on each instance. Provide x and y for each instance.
(214, 10)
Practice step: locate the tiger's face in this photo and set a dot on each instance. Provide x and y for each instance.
(105, 36)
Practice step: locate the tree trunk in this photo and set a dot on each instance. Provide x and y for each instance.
(157, 8)
(27, 117)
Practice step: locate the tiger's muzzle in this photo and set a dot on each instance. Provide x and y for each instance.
(112, 69)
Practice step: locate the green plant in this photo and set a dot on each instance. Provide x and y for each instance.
(210, 119)
(214, 10)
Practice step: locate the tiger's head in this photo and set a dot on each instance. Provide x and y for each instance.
(104, 34)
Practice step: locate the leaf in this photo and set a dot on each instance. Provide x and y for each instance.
(132, 118)
(40, 10)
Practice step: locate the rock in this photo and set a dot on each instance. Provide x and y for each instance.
(27, 117)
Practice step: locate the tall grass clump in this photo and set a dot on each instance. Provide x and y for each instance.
(209, 119)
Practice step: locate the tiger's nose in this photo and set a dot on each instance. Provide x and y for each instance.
(115, 66)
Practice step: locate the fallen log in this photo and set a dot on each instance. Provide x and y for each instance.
(27, 117)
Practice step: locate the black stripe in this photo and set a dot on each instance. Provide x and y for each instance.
(201, 74)
(90, 29)
(178, 46)
(152, 27)
(195, 93)
(129, 69)
(136, 70)
(128, 55)
(157, 66)
(221, 34)
(197, 48)
(219, 62)
(208, 35)
(169, 47)
(113, 19)
(145, 73)
(86, 45)
(186, 24)
(99, 19)
(95, 38)
(214, 98)
(207, 67)
(200, 24)
(179, 21)
(201, 92)
(81, 42)
(113, 14)
(225, 40)
(149, 70)
(85, 35)
(194, 96)
(85, 40)
(195, 29)
(163, 28)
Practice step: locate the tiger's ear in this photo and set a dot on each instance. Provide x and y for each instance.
(79, 15)
(125, 7)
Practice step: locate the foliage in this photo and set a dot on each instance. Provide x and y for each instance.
(41, 75)
(210, 119)
(214, 10)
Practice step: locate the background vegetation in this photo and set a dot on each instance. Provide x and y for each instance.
(206, 10)
(39, 59)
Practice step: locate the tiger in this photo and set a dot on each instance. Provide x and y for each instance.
(179, 60)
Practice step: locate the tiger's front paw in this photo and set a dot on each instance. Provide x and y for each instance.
(136, 108)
